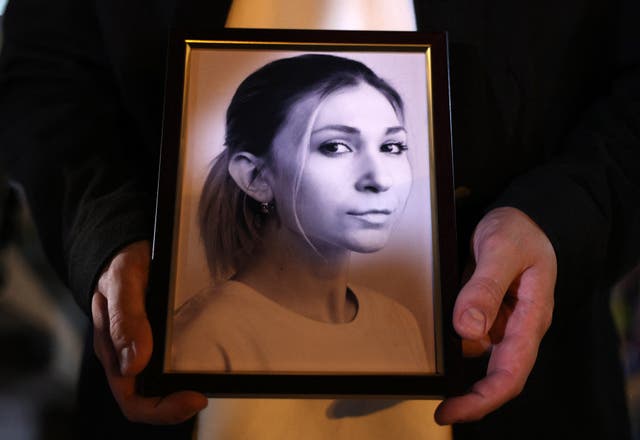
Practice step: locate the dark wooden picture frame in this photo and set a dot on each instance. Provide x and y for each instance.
(204, 70)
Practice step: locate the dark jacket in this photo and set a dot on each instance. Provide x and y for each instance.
(546, 118)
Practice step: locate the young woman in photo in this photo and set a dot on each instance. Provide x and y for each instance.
(315, 168)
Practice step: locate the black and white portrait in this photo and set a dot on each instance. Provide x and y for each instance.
(304, 226)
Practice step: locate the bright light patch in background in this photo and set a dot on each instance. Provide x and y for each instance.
(3, 4)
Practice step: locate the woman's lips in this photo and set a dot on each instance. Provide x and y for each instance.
(372, 216)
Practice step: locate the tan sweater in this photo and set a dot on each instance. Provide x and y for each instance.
(235, 328)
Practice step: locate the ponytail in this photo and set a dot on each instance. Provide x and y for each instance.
(229, 221)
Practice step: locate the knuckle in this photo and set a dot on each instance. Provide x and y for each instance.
(489, 290)
(548, 319)
(514, 387)
(510, 386)
(120, 331)
(130, 409)
(175, 418)
(515, 390)
(518, 386)
(493, 240)
(542, 312)
(131, 414)
(137, 415)
(497, 238)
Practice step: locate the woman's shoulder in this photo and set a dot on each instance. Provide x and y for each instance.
(203, 325)
(212, 304)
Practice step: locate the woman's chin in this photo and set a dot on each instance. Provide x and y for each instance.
(360, 242)
(368, 249)
(369, 245)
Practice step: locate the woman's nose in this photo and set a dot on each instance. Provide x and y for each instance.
(373, 174)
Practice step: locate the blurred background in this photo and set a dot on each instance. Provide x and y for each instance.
(41, 330)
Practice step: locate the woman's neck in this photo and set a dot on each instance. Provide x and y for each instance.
(290, 272)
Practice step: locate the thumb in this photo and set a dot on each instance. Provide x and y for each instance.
(480, 299)
(123, 285)
(131, 337)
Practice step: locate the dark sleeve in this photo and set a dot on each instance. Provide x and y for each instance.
(68, 142)
(587, 199)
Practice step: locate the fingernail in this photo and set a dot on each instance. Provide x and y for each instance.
(126, 359)
(474, 321)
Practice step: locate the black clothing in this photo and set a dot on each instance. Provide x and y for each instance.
(546, 118)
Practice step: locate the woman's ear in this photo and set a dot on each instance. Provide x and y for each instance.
(248, 172)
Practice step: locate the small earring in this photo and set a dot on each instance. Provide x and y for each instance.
(265, 207)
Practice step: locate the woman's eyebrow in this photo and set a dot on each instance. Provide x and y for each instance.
(352, 130)
(394, 130)
(338, 127)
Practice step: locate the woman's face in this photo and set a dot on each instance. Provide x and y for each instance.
(356, 178)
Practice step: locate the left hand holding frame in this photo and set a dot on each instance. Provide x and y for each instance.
(507, 303)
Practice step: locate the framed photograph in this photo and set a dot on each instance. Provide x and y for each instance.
(305, 234)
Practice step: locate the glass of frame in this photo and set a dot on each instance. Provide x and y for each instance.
(304, 238)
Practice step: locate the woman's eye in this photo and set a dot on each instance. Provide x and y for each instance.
(393, 147)
(332, 148)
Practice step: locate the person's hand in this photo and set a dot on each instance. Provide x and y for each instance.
(507, 306)
(123, 342)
